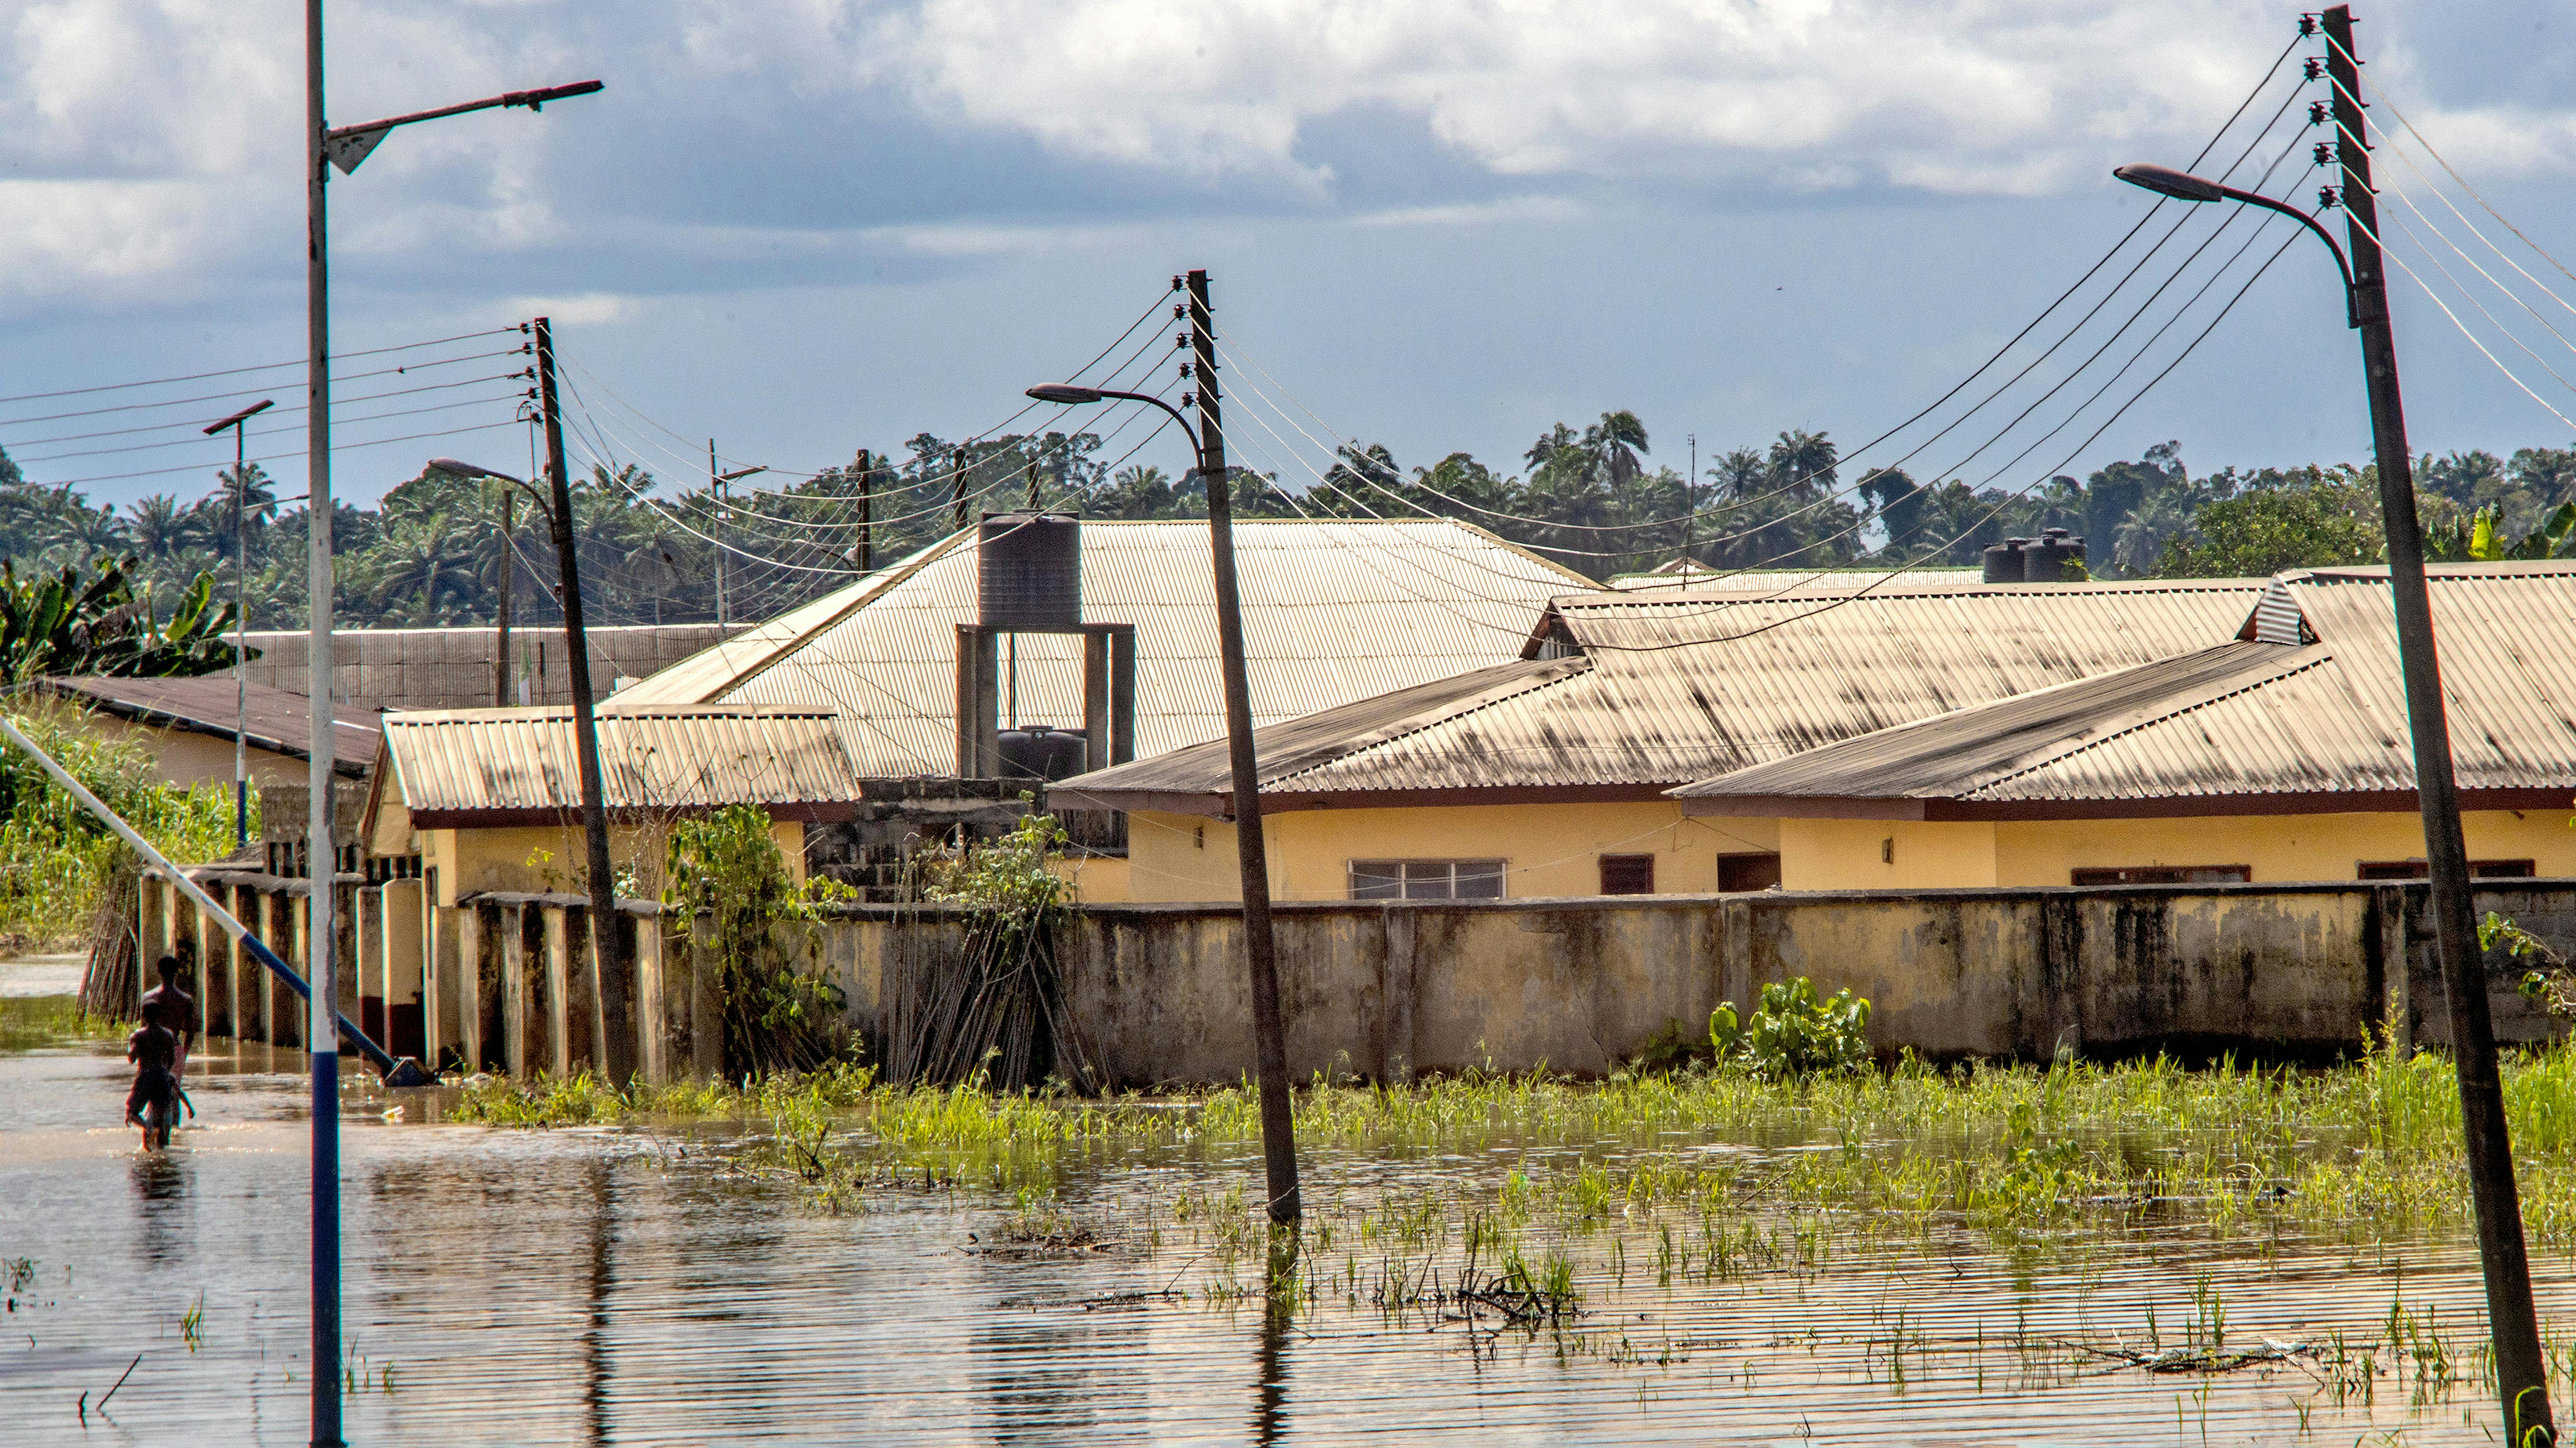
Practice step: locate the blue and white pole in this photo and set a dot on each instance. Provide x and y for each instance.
(321, 858)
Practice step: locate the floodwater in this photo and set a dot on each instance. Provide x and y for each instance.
(611, 1286)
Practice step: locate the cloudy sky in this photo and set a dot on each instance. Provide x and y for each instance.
(807, 226)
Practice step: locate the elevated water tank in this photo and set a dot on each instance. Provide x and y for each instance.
(1039, 752)
(2046, 560)
(2003, 561)
(1030, 571)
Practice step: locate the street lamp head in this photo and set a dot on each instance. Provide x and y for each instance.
(1064, 392)
(247, 413)
(469, 470)
(2166, 181)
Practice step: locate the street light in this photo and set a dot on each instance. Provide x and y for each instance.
(241, 622)
(1270, 1052)
(715, 489)
(2521, 1370)
(344, 147)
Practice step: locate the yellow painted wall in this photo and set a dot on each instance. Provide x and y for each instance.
(1885, 855)
(184, 758)
(1548, 849)
(1096, 880)
(470, 861)
(2279, 847)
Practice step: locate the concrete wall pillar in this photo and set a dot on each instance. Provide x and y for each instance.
(1396, 989)
(652, 1055)
(584, 1028)
(221, 960)
(522, 997)
(369, 967)
(555, 960)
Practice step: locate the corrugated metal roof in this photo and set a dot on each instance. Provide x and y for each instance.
(1675, 687)
(1333, 612)
(276, 720)
(1772, 580)
(470, 761)
(2251, 718)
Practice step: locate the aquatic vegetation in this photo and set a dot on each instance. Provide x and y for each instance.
(1792, 1033)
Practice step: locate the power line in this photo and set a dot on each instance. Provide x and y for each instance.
(262, 367)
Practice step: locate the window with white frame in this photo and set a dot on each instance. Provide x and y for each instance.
(1426, 879)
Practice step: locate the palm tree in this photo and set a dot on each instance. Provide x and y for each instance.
(163, 530)
(425, 561)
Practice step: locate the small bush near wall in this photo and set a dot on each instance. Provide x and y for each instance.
(779, 1012)
(1792, 1033)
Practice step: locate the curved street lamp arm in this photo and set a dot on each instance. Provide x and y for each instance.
(1158, 402)
(2351, 302)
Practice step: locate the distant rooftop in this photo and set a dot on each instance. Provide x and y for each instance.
(277, 721)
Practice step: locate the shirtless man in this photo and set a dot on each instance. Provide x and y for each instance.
(171, 1005)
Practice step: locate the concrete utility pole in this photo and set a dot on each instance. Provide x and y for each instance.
(616, 961)
(2521, 1371)
(1278, 1139)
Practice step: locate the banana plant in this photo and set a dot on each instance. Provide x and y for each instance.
(62, 623)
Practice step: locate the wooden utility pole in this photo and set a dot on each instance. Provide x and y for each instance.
(867, 480)
(2521, 1371)
(509, 585)
(715, 490)
(616, 962)
(958, 503)
(1270, 1050)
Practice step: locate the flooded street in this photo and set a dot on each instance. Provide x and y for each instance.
(612, 1285)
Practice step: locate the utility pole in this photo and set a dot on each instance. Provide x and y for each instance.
(1690, 506)
(509, 585)
(716, 486)
(958, 504)
(321, 1026)
(616, 963)
(238, 422)
(1278, 1139)
(866, 481)
(2521, 1371)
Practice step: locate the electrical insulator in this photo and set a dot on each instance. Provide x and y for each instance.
(2308, 24)
(1180, 310)
(1182, 340)
(1176, 284)
(2316, 113)
(2326, 198)
(2325, 154)
(1185, 369)
(2316, 66)
(1189, 399)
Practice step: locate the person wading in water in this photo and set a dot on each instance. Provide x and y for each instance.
(159, 1050)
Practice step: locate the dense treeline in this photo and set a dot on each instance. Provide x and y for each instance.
(437, 548)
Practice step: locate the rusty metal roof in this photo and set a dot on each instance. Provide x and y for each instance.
(457, 766)
(2252, 719)
(1674, 686)
(1333, 612)
(270, 719)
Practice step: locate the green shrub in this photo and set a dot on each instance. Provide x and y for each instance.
(1793, 1033)
(780, 1012)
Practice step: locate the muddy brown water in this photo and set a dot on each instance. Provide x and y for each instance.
(600, 1286)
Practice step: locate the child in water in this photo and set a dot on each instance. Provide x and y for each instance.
(154, 1050)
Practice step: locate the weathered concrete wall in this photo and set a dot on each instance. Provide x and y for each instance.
(1158, 994)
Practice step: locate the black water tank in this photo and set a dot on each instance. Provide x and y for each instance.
(1039, 752)
(1030, 570)
(2003, 561)
(2046, 560)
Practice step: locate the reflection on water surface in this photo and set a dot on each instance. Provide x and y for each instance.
(595, 1286)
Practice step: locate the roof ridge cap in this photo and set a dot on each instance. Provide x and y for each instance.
(1577, 667)
(2290, 672)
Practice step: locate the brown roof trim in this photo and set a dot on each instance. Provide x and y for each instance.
(2308, 802)
(805, 812)
(1221, 806)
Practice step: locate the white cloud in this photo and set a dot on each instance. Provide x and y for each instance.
(1981, 96)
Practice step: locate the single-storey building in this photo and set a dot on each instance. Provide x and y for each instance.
(1548, 775)
(2284, 756)
(189, 726)
(1334, 612)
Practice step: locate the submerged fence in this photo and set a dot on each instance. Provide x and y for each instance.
(1157, 993)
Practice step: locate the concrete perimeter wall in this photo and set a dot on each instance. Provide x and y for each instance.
(1157, 992)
